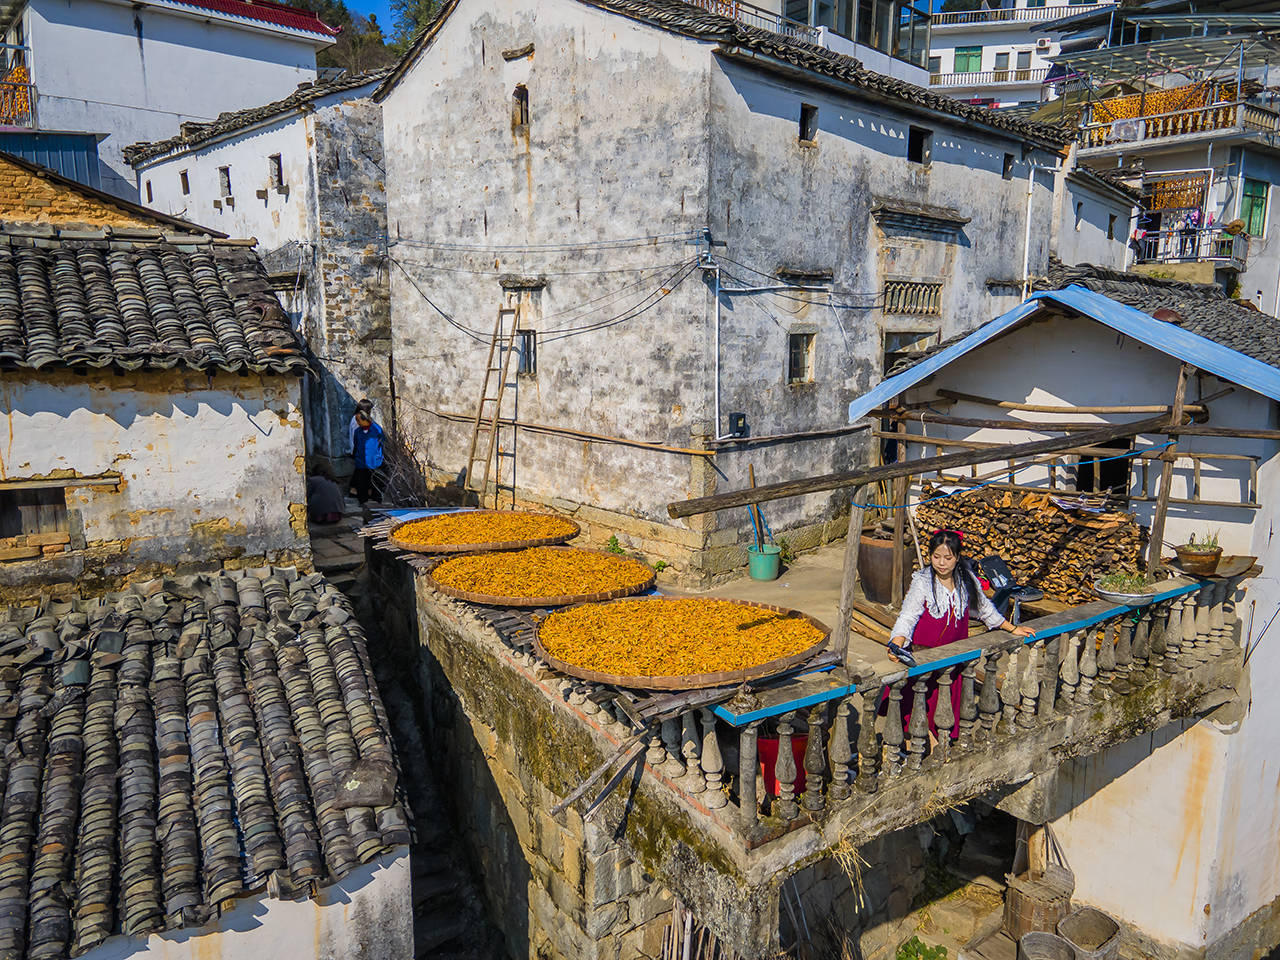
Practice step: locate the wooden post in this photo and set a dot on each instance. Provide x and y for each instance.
(900, 489)
(844, 612)
(1166, 474)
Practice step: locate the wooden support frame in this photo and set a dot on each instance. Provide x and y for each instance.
(1155, 547)
(849, 581)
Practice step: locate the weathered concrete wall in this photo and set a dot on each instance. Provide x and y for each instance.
(351, 332)
(1093, 226)
(367, 914)
(210, 470)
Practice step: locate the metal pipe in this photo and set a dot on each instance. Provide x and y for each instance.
(1026, 240)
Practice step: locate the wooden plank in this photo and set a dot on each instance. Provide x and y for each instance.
(869, 475)
(1066, 408)
(944, 480)
(900, 489)
(1155, 547)
(849, 579)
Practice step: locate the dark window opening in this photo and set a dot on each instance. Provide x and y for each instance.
(275, 170)
(520, 106)
(149, 195)
(900, 345)
(24, 512)
(224, 181)
(527, 352)
(919, 144)
(1111, 226)
(1007, 172)
(808, 122)
(1079, 214)
(185, 182)
(800, 357)
(1106, 475)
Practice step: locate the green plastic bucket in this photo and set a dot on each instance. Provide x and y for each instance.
(764, 562)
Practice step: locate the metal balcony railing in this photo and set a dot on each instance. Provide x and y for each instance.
(753, 16)
(17, 104)
(986, 78)
(1011, 14)
(1207, 244)
(1236, 116)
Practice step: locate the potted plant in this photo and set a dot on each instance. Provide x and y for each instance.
(1200, 558)
(1125, 587)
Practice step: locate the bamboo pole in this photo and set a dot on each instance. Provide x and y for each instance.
(900, 491)
(1065, 408)
(849, 580)
(1154, 548)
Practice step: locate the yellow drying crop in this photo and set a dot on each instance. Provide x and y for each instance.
(673, 637)
(480, 527)
(541, 572)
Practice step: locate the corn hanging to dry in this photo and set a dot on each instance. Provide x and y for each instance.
(482, 526)
(542, 572)
(673, 637)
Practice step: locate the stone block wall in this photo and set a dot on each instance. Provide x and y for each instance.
(26, 197)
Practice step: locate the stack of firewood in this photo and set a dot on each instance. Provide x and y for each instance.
(1061, 551)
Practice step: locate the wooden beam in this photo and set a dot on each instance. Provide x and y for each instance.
(987, 423)
(1155, 547)
(945, 481)
(849, 579)
(869, 475)
(900, 491)
(1065, 408)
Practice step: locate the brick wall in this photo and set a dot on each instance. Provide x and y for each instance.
(26, 197)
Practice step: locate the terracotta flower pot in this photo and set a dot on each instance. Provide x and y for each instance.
(1196, 560)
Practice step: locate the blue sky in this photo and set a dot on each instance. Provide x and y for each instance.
(379, 7)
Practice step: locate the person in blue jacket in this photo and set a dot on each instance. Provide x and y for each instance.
(367, 454)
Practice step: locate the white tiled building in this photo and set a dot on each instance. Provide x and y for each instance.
(998, 55)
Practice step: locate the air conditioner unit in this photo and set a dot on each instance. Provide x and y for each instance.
(1044, 43)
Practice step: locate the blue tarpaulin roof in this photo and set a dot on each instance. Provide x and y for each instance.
(1200, 352)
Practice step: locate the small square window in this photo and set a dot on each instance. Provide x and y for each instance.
(24, 512)
(935, 65)
(919, 145)
(185, 182)
(150, 197)
(224, 181)
(808, 122)
(527, 352)
(800, 357)
(1007, 172)
(1253, 207)
(275, 171)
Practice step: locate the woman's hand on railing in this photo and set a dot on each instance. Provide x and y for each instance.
(1022, 630)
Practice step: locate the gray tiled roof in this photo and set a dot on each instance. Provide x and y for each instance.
(1200, 308)
(170, 748)
(192, 133)
(138, 298)
(701, 24)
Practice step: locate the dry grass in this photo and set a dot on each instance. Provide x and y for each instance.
(404, 468)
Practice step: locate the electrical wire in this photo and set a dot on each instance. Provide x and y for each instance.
(653, 298)
(586, 244)
(473, 334)
(431, 264)
(607, 298)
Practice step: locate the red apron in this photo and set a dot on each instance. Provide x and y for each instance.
(930, 632)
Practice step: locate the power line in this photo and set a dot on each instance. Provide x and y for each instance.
(521, 247)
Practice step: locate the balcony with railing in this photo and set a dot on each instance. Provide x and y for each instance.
(17, 98)
(1104, 131)
(971, 18)
(754, 16)
(989, 78)
(1194, 245)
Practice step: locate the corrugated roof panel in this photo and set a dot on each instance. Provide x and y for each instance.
(1200, 352)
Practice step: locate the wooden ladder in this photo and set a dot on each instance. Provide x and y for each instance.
(488, 418)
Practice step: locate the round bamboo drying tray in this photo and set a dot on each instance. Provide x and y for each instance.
(492, 600)
(490, 547)
(694, 681)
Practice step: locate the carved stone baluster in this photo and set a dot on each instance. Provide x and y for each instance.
(968, 705)
(748, 762)
(815, 764)
(1188, 656)
(1107, 656)
(712, 762)
(1155, 661)
(1218, 619)
(868, 746)
(785, 771)
(944, 718)
(656, 755)
(1011, 689)
(1071, 668)
(1048, 678)
(893, 732)
(583, 696)
(1030, 683)
(1142, 645)
(691, 747)
(1204, 632)
(1088, 665)
(1124, 655)
(989, 699)
(839, 749)
(1173, 636)
(1229, 618)
(672, 768)
(918, 725)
